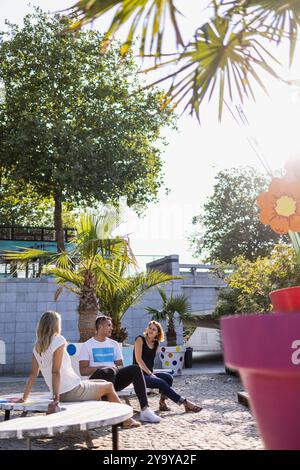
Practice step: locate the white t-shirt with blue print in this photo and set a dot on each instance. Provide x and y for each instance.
(100, 353)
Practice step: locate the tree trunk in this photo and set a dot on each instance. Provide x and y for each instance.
(171, 333)
(88, 308)
(58, 224)
(119, 334)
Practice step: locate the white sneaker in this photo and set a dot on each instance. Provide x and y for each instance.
(149, 416)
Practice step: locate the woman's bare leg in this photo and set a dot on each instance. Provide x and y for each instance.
(107, 389)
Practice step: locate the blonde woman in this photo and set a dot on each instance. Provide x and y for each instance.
(145, 348)
(51, 358)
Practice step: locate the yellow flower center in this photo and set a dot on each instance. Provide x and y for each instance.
(286, 206)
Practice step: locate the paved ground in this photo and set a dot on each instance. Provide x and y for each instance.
(222, 424)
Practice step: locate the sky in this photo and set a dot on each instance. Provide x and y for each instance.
(196, 153)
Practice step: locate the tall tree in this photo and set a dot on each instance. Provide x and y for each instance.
(76, 124)
(229, 224)
(23, 206)
(225, 55)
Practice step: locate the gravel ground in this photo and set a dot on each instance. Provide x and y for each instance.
(222, 424)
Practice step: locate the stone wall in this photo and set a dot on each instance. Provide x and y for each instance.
(22, 301)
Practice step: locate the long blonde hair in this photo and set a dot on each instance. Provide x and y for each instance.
(48, 325)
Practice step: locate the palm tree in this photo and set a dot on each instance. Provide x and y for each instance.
(116, 300)
(174, 304)
(227, 52)
(86, 266)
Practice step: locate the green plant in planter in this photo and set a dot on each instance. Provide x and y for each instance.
(117, 297)
(170, 306)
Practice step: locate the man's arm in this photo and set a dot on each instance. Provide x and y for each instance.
(86, 369)
(119, 363)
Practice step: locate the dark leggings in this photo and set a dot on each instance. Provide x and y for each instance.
(124, 377)
(163, 381)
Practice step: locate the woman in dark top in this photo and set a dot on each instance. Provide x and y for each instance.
(145, 348)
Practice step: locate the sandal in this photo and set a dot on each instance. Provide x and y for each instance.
(191, 407)
(163, 406)
(130, 423)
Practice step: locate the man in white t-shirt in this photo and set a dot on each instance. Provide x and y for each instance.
(101, 358)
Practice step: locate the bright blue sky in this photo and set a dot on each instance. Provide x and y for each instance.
(195, 154)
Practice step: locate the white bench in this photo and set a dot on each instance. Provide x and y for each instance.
(77, 416)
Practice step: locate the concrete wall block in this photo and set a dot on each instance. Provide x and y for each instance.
(31, 307)
(31, 297)
(24, 337)
(43, 297)
(9, 346)
(10, 307)
(2, 306)
(53, 306)
(8, 338)
(22, 286)
(8, 369)
(3, 287)
(27, 356)
(10, 327)
(8, 297)
(21, 297)
(10, 358)
(2, 328)
(69, 325)
(11, 285)
(72, 336)
(4, 317)
(20, 348)
(19, 369)
(26, 317)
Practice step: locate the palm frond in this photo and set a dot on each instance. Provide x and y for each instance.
(118, 299)
(225, 57)
(148, 17)
(63, 276)
(218, 60)
(27, 254)
(279, 18)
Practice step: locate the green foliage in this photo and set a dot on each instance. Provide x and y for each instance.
(251, 282)
(170, 306)
(229, 225)
(24, 206)
(228, 52)
(116, 299)
(76, 124)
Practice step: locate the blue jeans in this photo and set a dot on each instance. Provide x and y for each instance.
(163, 381)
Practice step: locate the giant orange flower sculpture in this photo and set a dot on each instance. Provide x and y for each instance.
(280, 206)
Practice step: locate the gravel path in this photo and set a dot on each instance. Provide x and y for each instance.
(222, 424)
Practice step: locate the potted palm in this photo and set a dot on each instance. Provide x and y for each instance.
(265, 349)
(116, 298)
(172, 355)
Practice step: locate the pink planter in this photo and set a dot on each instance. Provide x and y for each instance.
(286, 300)
(265, 349)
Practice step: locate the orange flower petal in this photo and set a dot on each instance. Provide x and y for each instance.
(265, 200)
(266, 216)
(280, 225)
